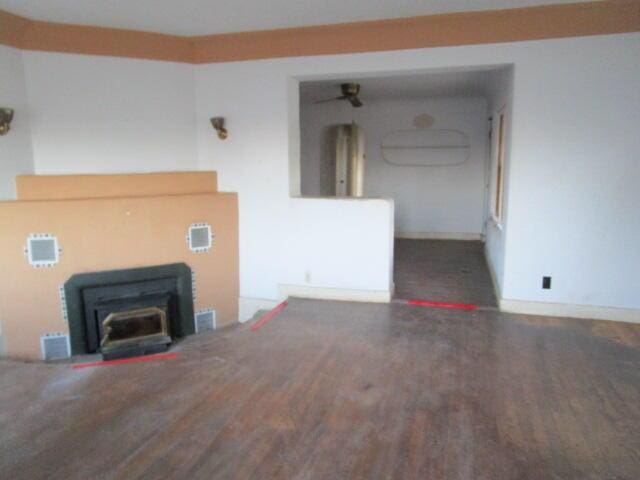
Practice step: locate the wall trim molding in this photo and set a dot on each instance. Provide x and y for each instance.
(439, 236)
(343, 294)
(450, 29)
(594, 312)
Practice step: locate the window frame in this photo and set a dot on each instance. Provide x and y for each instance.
(498, 161)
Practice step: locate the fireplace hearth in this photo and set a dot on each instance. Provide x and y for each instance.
(122, 313)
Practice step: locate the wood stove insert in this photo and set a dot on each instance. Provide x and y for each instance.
(130, 312)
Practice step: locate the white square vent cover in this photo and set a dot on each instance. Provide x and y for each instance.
(205, 320)
(55, 346)
(200, 237)
(42, 250)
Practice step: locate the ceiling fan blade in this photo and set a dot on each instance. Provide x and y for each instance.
(355, 101)
(330, 99)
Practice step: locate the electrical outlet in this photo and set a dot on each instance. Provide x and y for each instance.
(546, 283)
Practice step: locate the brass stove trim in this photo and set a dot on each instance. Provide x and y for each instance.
(117, 316)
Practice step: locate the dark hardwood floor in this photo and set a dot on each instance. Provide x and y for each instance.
(331, 390)
(442, 270)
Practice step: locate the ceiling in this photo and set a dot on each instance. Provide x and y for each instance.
(201, 17)
(469, 83)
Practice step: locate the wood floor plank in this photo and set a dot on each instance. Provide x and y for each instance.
(442, 270)
(338, 390)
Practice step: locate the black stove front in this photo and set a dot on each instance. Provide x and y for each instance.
(129, 312)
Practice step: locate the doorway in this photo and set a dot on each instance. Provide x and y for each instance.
(427, 147)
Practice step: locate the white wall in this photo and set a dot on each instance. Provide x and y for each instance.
(103, 114)
(573, 170)
(343, 244)
(573, 174)
(442, 200)
(342, 251)
(16, 156)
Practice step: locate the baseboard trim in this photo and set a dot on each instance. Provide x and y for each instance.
(247, 307)
(323, 293)
(594, 312)
(439, 236)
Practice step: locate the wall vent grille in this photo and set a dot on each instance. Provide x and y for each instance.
(205, 320)
(55, 346)
(200, 237)
(42, 250)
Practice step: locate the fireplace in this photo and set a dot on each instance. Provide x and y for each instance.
(123, 313)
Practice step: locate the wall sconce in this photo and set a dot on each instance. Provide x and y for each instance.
(6, 115)
(218, 125)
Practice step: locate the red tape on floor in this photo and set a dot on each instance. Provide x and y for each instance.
(145, 358)
(268, 316)
(427, 303)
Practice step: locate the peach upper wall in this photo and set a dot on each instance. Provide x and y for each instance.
(60, 187)
(21, 32)
(498, 26)
(107, 234)
(13, 29)
(467, 28)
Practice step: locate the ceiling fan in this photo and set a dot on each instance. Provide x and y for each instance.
(350, 92)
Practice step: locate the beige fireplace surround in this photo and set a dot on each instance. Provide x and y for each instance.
(110, 222)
